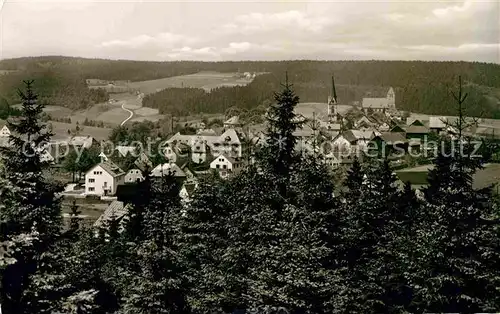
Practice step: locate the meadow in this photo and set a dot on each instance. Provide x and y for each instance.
(206, 80)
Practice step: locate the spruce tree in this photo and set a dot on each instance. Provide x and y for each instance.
(457, 258)
(203, 240)
(279, 155)
(158, 286)
(27, 200)
(366, 264)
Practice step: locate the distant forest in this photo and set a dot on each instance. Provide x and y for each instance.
(420, 86)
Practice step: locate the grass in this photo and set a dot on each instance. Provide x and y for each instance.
(206, 80)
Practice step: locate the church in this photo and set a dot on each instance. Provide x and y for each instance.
(380, 104)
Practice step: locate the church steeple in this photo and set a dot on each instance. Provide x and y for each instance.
(332, 102)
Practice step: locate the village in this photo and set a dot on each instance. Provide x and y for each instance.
(346, 133)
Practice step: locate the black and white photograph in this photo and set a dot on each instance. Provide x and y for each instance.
(241, 157)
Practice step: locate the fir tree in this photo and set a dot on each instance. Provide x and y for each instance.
(367, 238)
(158, 286)
(457, 261)
(279, 155)
(27, 200)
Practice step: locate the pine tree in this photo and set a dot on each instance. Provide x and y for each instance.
(158, 286)
(279, 155)
(457, 258)
(27, 200)
(366, 237)
(354, 181)
(134, 219)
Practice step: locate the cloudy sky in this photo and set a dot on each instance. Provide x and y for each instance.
(252, 30)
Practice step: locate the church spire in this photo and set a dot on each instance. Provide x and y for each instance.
(334, 92)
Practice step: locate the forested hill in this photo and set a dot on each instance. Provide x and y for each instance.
(420, 86)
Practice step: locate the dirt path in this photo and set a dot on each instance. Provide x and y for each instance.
(129, 111)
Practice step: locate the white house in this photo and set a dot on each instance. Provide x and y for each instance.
(4, 132)
(226, 165)
(103, 178)
(134, 175)
(201, 146)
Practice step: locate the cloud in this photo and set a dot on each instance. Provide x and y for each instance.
(161, 39)
(440, 12)
(470, 47)
(188, 53)
(248, 30)
(288, 20)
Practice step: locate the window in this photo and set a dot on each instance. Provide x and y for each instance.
(217, 166)
(105, 184)
(224, 166)
(91, 180)
(91, 189)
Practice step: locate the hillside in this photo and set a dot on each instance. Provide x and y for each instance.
(420, 86)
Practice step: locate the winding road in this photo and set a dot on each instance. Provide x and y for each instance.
(129, 111)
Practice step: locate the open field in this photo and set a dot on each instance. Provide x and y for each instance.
(205, 80)
(60, 130)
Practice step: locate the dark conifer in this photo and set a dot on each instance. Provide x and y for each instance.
(27, 201)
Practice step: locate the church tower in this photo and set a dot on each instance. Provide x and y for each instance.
(391, 98)
(332, 104)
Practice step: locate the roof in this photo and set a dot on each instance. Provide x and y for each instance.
(81, 140)
(364, 119)
(416, 122)
(437, 122)
(391, 138)
(230, 136)
(116, 209)
(206, 132)
(142, 162)
(110, 168)
(375, 103)
(166, 168)
(124, 150)
(234, 120)
(416, 129)
(305, 131)
(232, 160)
(362, 135)
(397, 128)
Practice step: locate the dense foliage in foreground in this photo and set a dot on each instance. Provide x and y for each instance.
(273, 237)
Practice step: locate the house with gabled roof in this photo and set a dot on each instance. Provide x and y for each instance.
(4, 131)
(226, 165)
(415, 122)
(437, 124)
(390, 143)
(82, 141)
(103, 179)
(203, 146)
(416, 132)
(233, 122)
(168, 168)
(397, 129)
